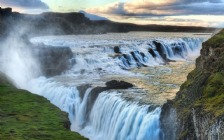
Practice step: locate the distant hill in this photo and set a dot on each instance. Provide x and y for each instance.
(92, 16)
(51, 23)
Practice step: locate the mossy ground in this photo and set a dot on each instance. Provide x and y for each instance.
(27, 116)
(213, 95)
(217, 40)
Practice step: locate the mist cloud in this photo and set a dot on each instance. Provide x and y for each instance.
(28, 4)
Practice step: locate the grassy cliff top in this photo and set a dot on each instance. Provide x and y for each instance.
(27, 116)
(216, 40)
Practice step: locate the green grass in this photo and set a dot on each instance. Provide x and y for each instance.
(213, 95)
(217, 40)
(25, 116)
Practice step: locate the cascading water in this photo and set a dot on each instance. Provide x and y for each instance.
(109, 115)
(116, 119)
(153, 52)
(91, 54)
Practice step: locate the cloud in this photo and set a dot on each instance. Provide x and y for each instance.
(200, 1)
(187, 20)
(162, 8)
(27, 4)
(166, 12)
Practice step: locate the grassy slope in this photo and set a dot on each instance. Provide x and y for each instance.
(27, 116)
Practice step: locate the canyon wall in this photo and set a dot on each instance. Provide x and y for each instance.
(197, 112)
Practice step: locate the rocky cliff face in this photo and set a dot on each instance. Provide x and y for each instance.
(197, 112)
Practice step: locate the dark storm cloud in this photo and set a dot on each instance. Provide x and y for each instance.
(29, 4)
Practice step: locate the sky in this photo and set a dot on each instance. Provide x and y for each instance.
(208, 13)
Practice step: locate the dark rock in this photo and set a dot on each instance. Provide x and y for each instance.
(117, 49)
(114, 84)
(67, 124)
(82, 89)
(5, 11)
(160, 50)
(92, 98)
(152, 52)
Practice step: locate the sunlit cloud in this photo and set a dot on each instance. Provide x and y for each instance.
(162, 8)
(165, 12)
(169, 12)
(191, 20)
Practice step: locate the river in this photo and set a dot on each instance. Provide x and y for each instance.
(156, 63)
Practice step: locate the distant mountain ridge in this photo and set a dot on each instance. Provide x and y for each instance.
(92, 16)
(51, 23)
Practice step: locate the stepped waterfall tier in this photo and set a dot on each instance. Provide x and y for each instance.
(115, 84)
(109, 117)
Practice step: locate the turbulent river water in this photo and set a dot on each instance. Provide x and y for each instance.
(155, 63)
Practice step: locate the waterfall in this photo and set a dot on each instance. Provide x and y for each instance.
(156, 52)
(90, 56)
(116, 119)
(110, 117)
